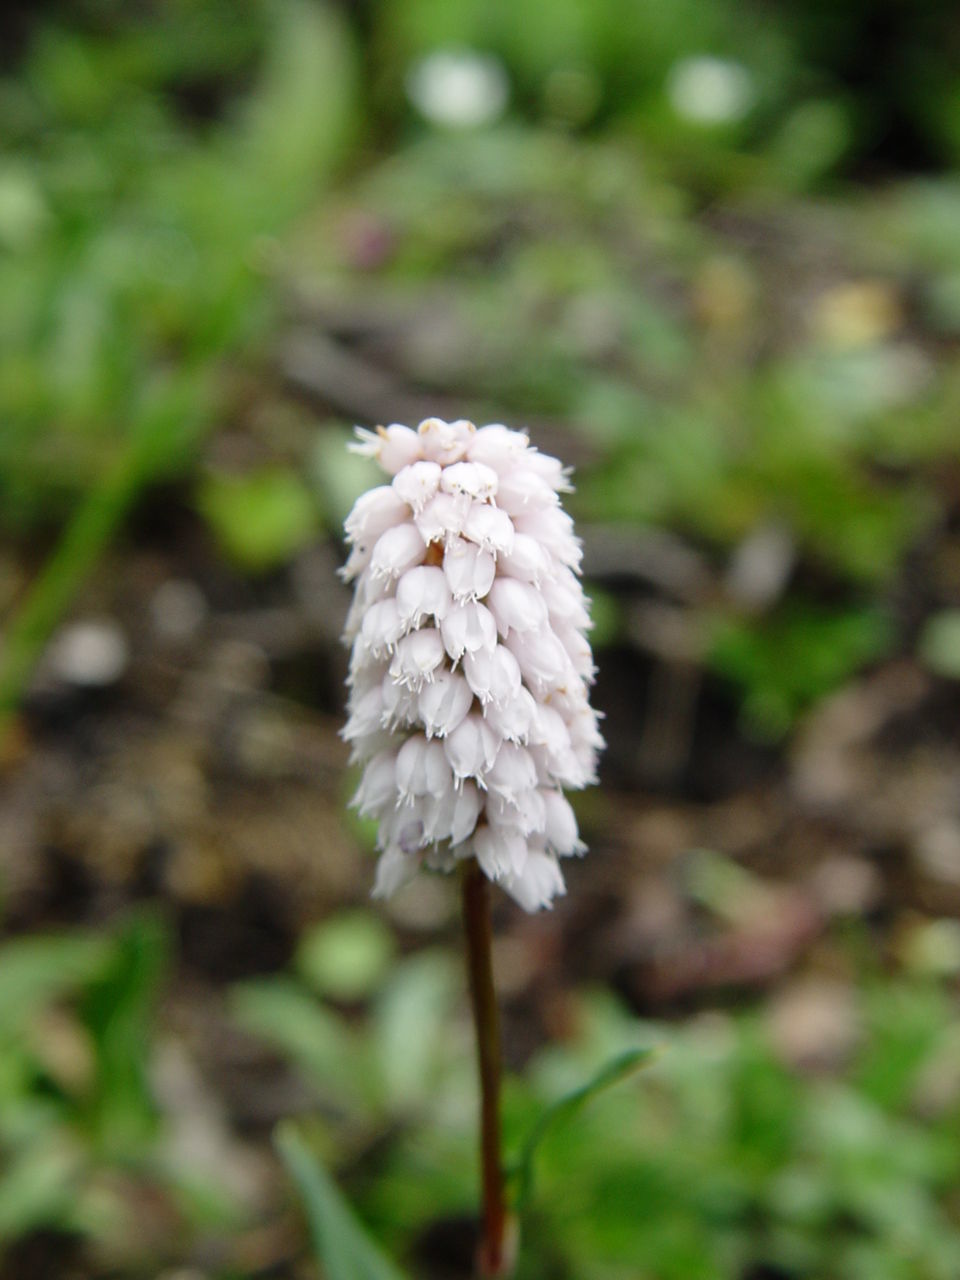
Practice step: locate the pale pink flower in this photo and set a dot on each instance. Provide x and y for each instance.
(470, 666)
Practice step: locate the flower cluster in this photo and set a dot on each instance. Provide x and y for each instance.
(470, 667)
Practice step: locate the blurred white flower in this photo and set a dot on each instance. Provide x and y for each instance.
(710, 90)
(459, 90)
(470, 667)
(91, 654)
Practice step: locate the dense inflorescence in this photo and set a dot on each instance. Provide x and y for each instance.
(470, 667)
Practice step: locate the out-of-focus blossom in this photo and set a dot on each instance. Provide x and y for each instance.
(709, 90)
(458, 89)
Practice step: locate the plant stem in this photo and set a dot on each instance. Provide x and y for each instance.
(492, 1260)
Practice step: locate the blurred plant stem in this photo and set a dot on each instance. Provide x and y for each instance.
(169, 430)
(73, 558)
(493, 1256)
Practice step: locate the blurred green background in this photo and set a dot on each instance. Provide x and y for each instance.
(709, 253)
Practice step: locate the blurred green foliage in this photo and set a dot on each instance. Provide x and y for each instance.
(660, 246)
(262, 518)
(612, 253)
(940, 643)
(137, 250)
(133, 230)
(344, 1250)
(76, 1018)
(716, 1161)
(794, 658)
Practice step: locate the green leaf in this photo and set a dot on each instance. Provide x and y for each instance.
(421, 994)
(260, 519)
(38, 1188)
(302, 113)
(810, 143)
(940, 643)
(905, 1023)
(619, 1068)
(346, 957)
(34, 971)
(787, 661)
(322, 1044)
(342, 1246)
(119, 1012)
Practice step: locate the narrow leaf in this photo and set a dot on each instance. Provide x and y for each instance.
(342, 1246)
(302, 114)
(619, 1068)
(119, 1012)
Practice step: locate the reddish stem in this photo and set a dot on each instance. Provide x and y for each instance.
(492, 1259)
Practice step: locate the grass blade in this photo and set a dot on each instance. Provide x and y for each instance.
(341, 1244)
(611, 1073)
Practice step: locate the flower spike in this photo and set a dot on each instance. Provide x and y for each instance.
(470, 666)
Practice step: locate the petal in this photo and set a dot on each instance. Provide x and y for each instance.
(365, 715)
(444, 703)
(494, 676)
(522, 490)
(396, 551)
(418, 655)
(381, 627)
(560, 830)
(422, 591)
(471, 748)
(514, 718)
(442, 518)
(422, 769)
(526, 812)
(467, 809)
(393, 447)
(498, 446)
(373, 513)
(512, 772)
(550, 469)
(526, 560)
(471, 478)
(378, 786)
(543, 659)
(415, 485)
(553, 529)
(394, 869)
(469, 570)
(399, 704)
(538, 883)
(466, 628)
(445, 442)
(517, 606)
(489, 527)
(500, 851)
